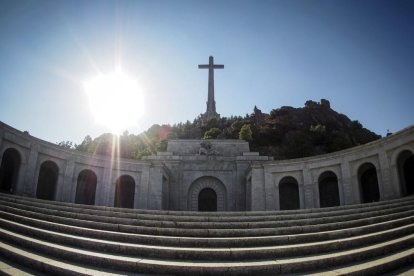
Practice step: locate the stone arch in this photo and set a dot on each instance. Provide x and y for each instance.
(289, 193)
(328, 189)
(86, 187)
(368, 183)
(47, 180)
(405, 166)
(207, 182)
(9, 170)
(125, 192)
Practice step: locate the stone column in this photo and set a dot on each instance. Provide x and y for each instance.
(308, 188)
(67, 193)
(258, 202)
(348, 196)
(29, 178)
(384, 178)
(104, 194)
(155, 187)
(142, 202)
(269, 191)
(395, 180)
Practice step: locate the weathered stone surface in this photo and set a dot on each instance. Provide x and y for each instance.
(250, 181)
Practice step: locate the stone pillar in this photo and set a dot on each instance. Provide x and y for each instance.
(29, 188)
(384, 178)
(348, 196)
(308, 187)
(277, 195)
(269, 192)
(67, 193)
(395, 180)
(155, 187)
(258, 201)
(242, 186)
(142, 201)
(104, 192)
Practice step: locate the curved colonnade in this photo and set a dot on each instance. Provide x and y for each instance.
(380, 170)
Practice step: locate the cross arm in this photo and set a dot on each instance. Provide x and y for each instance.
(203, 66)
(218, 66)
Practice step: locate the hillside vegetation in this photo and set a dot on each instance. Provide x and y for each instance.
(284, 133)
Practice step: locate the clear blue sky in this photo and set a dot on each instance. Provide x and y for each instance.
(357, 54)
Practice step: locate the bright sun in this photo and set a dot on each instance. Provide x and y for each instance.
(115, 100)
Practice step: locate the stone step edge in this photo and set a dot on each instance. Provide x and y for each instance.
(7, 267)
(194, 253)
(209, 242)
(195, 213)
(206, 219)
(44, 264)
(376, 266)
(210, 232)
(41, 263)
(285, 265)
(206, 225)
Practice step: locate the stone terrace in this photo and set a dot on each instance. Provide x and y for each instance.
(38, 236)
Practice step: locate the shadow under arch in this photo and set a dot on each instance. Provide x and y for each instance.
(124, 192)
(47, 180)
(9, 170)
(203, 188)
(405, 166)
(368, 183)
(328, 190)
(86, 187)
(289, 193)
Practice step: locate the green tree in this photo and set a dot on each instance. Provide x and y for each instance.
(66, 145)
(87, 141)
(212, 133)
(246, 133)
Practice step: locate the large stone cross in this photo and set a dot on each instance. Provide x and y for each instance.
(211, 104)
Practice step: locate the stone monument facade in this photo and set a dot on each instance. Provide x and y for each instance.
(220, 175)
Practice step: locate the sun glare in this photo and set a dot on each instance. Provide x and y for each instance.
(115, 100)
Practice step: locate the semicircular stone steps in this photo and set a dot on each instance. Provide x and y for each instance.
(64, 238)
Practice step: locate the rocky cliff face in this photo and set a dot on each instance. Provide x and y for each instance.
(289, 132)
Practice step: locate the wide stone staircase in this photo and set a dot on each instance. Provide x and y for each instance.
(45, 237)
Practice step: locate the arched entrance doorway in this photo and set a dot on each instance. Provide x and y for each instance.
(207, 194)
(368, 182)
(207, 200)
(47, 181)
(405, 164)
(289, 194)
(124, 192)
(9, 170)
(328, 190)
(86, 188)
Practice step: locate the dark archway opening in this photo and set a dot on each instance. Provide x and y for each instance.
(405, 163)
(207, 200)
(328, 190)
(86, 188)
(368, 182)
(47, 181)
(124, 192)
(408, 168)
(289, 194)
(9, 171)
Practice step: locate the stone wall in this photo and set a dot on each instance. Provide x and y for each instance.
(382, 154)
(243, 180)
